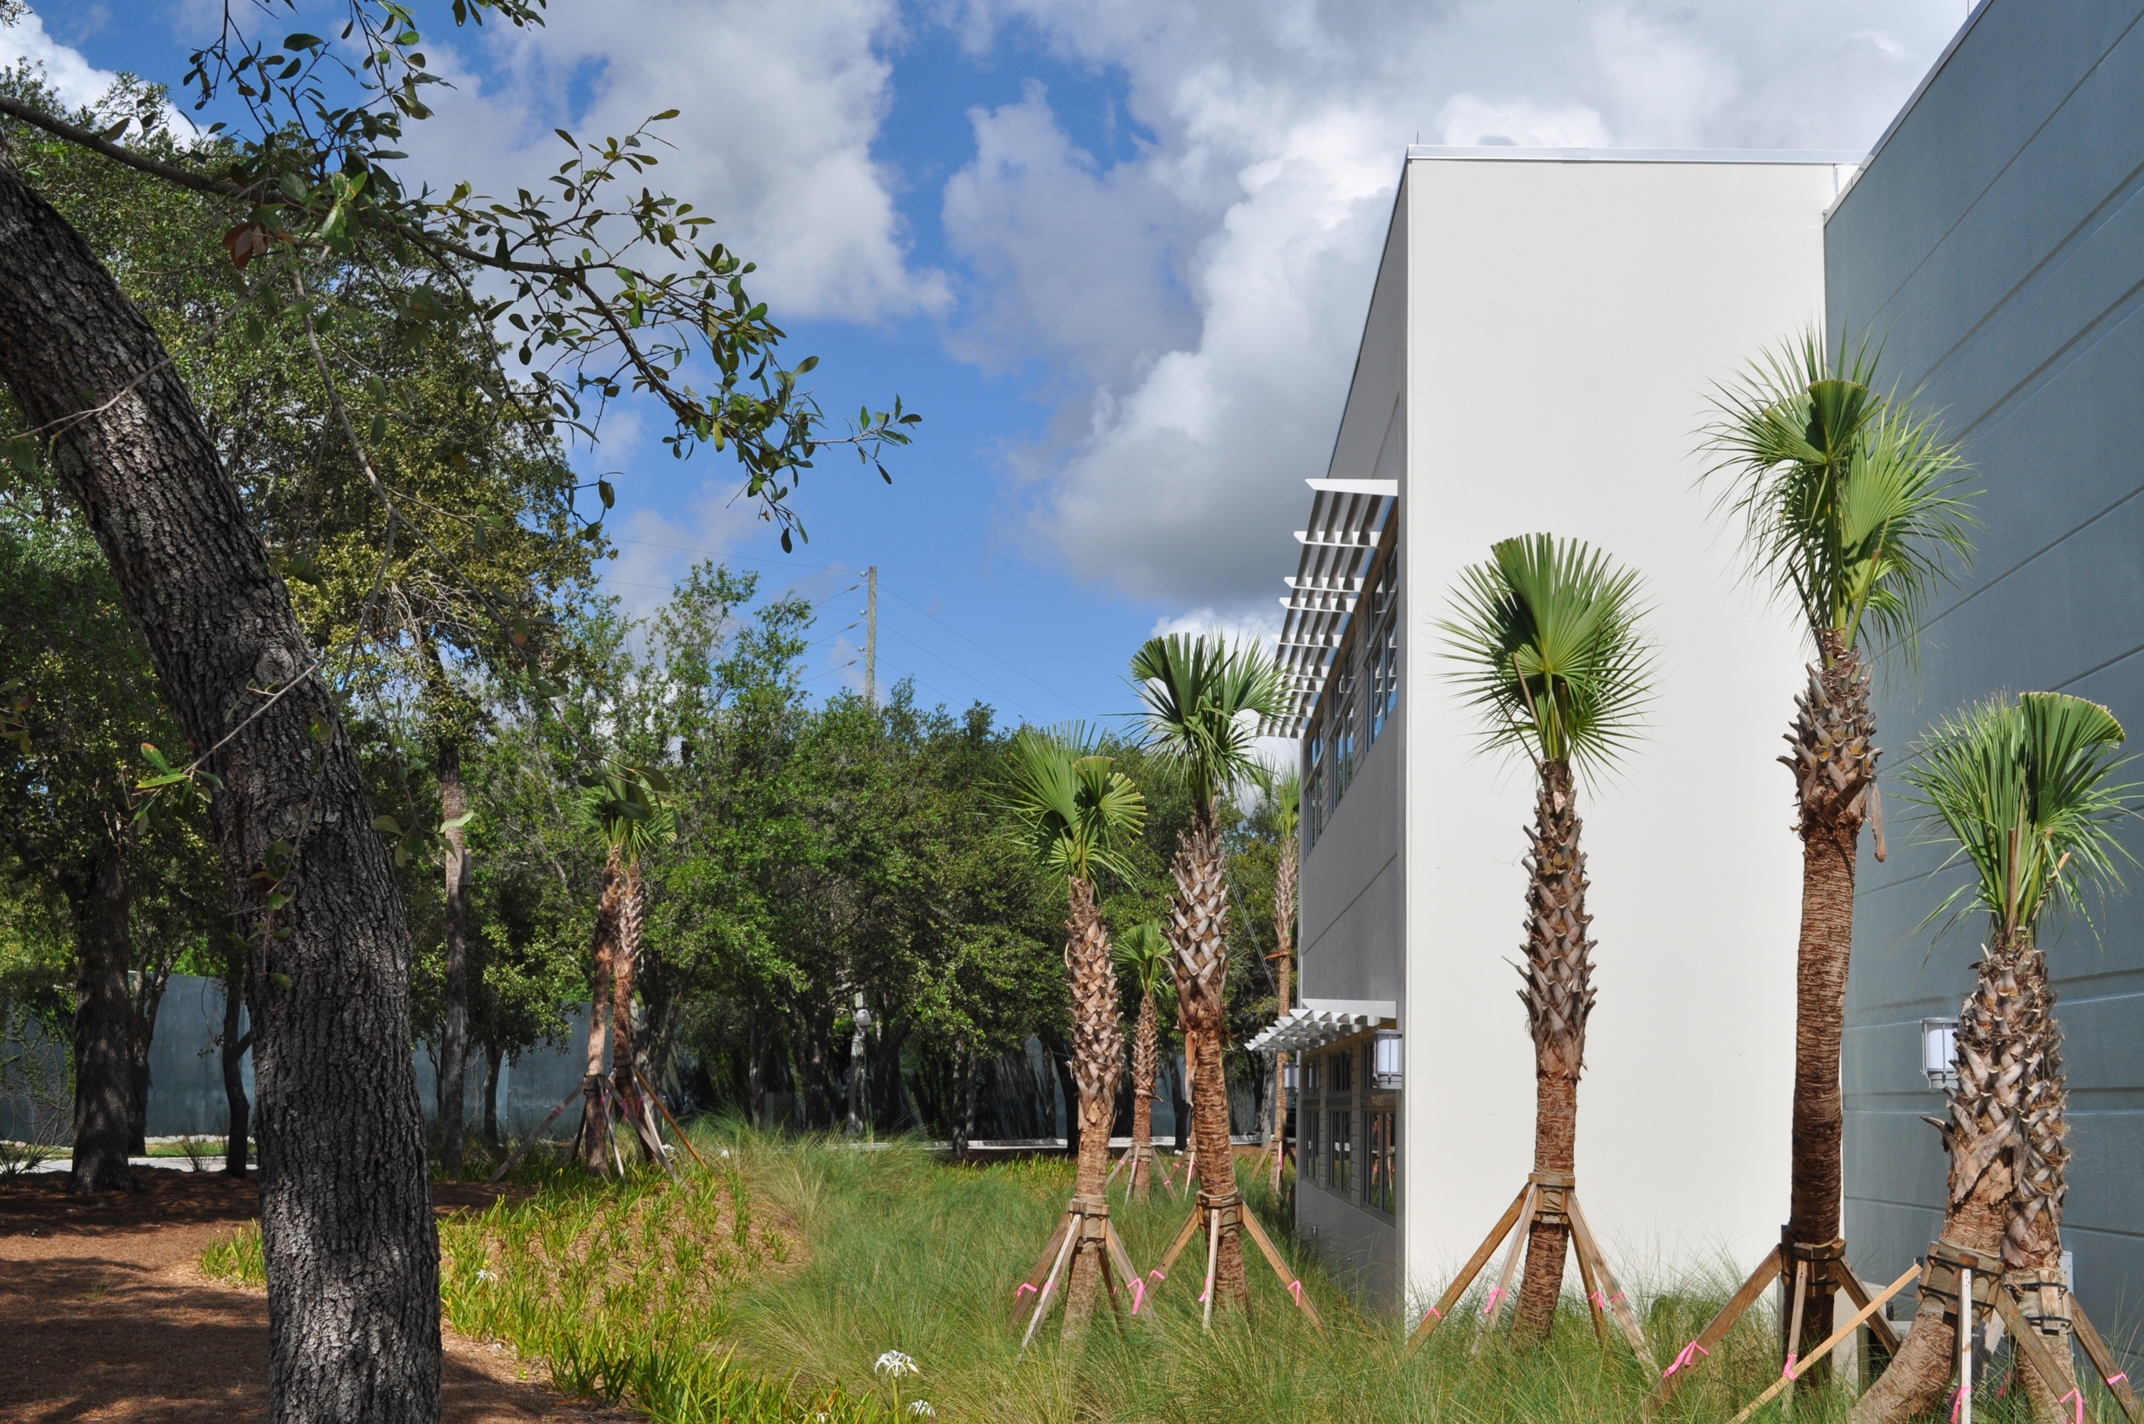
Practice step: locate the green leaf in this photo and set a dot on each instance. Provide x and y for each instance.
(388, 824)
(379, 428)
(281, 981)
(302, 41)
(607, 494)
(455, 823)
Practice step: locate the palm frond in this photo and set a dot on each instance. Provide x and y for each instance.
(626, 807)
(2023, 790)
(1203, 701)
(1851, 502)
(1285, 790)
(1143, 955)
(1074, 810)
(1546, 637)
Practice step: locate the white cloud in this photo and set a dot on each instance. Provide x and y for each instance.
(780, 105)
(1200, 300)
(78, 83)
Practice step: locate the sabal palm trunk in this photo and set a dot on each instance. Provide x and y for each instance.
(1097, 1058)
(2007, 1161)
(1559, 998)
(1834, 765)
(1146, 1067)
(1284, 942)
(624, 1086)
(1198, 925)
(595, 1121)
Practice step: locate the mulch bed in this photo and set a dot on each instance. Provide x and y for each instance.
(106, 1316)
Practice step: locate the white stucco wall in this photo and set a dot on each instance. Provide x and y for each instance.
(1564, 324)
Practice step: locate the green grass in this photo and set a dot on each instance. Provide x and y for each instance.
(766, 1287)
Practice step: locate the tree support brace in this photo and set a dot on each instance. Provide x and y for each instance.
(1547, 1199)
(1219, 1215)
(1084, 1229)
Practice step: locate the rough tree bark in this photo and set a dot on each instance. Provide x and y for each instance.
(595, 1114)
(1559, 999)
(1198, 929)
(103, 1026)
(1284, 972)
(1146, 1065)
(1834, 766)
(1097, 1059)
(492, 1058)
(346, 1216)
(2006, 1075)
(454, 1020)
(623, 1086)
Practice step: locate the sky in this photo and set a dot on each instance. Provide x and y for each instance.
(1117, 254)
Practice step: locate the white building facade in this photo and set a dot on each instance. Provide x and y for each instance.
(1543, 339)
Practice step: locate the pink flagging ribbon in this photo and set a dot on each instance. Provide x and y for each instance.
(1434, 1312)
(1688, 1357)
(1157, 1275)
(1599, 1300)
(1956, 1400)
(1295, 1288)
(1138, 1294)
(1047, 1287)
(1204, 1293)
(2078, 1395)
(1024, 1286)
(2113, 1380)
(1496, 1293)
(1788, 1372)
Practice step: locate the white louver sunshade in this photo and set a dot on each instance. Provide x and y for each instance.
(1346, 517)
(1318, 1022)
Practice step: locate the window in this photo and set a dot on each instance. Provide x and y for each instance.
(1344, 1071)
(1342, 1179)
(1381, 1175)
(1382, 659)
(1361, 691)
(1308, 1164)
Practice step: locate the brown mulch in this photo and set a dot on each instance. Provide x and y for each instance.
(106, 1316)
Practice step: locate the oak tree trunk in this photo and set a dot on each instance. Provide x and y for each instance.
(351, 1249)
(103, 1026)
(1198, 929)
(1559, 999)
(492, 1059)
(454, 1020)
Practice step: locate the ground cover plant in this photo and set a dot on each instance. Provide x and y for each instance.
(780, 1281)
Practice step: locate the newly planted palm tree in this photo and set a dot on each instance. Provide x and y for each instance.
(1549, 651)
(1203, 704)
(1076, 813)
(2023, 792)
(1142, 955)
(626, 807)
(1286, 794)
(1853, 507)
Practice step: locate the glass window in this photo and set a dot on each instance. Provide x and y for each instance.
(1343, 1169)
(1381, 1179)
(1308, 1164)
(1344, 1071)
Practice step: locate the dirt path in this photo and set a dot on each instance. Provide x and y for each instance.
(105, 1316)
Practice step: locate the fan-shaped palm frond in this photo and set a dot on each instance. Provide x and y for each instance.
(1142, 955)
(1850, 500)
(627, 807)
(2023, 789)
(1204, 700)
(1285, 790)
(1074, 810)
(1546, 635)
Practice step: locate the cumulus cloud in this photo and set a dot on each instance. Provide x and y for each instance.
(78, 83)
(1213, 356)
(780, 105)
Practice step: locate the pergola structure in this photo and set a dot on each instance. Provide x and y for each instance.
(1346, 519)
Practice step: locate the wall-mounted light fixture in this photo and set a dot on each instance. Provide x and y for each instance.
(1390, 1058)
(1939, 1052)
(1287, 1077)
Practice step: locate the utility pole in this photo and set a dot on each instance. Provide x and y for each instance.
(871, 637)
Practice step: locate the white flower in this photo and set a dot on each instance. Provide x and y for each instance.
(922, 1409)
(485, 1276)
(896, 1364)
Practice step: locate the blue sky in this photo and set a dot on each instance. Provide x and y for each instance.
(1117, 255)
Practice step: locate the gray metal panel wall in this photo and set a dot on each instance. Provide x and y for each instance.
(1995, 245)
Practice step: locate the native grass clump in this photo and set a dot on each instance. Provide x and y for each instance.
(823, 1281)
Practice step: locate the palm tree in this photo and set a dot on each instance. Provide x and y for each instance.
(1852, 507)
(627, 808)
(1142, 955)
(1546, 637)
(1075, 813)
(1204, 702)
(2022, 792)
(1286, 794)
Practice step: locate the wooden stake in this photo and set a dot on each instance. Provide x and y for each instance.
(1458, 1288)
(1495, 1310)
(1851, 1284)
(1280, 1268)
(1867, 1310)
(1213, 1261)
(1767, 1271)
(1794, 1335)
(667, 1117)
(530, 1140)
(1176, 1247)
(1617, 1301)
(1594, 1296)
(1042, 1301)
(2102, 1359)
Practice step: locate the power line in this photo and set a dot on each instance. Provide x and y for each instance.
(990, 687)
(1075, 706)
